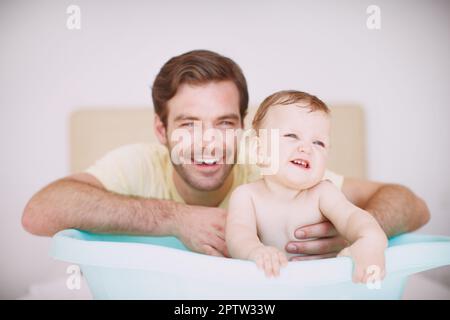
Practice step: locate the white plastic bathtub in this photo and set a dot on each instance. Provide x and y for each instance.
(134, 267)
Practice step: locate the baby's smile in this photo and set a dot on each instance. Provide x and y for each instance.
(301, 163)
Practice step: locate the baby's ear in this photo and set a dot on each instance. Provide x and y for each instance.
(248, 148)
(263, 160)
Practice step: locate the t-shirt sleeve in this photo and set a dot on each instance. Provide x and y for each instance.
(335, 178)
(122, 170)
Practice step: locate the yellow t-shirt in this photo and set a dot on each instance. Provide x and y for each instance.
(145, 170)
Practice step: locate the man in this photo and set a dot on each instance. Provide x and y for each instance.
(138, 189)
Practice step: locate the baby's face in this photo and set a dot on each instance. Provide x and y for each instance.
(304, 139)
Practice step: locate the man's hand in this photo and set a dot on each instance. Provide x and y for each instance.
(319, 241)
(202, 229)
(395, 207)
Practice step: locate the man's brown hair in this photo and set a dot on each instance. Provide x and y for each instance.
(196, 67)
(286, 97)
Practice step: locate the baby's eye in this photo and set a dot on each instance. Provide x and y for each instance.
(290, 135)
(320, 143)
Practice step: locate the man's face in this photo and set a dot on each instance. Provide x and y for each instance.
(198, 118)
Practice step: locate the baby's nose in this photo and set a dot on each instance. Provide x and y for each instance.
(304, 147)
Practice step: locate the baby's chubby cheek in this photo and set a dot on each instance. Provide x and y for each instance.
(319, 170)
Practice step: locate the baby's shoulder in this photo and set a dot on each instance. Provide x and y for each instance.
(325, 187)
(242, 195)
(248, 189)
(328, 192)
(243, 190)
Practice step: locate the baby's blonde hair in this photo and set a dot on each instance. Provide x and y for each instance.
(287, 97)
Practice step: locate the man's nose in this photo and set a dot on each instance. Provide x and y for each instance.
(207, 136)
(200, 138)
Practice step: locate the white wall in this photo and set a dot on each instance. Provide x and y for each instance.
(399, 74)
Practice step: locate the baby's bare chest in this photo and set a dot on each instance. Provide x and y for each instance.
(277, 221)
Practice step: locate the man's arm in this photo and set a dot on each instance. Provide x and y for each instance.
(80, 201)
(396, 208)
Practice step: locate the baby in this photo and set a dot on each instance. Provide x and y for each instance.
(264, 214)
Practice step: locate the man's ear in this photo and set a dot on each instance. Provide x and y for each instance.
(160, 130)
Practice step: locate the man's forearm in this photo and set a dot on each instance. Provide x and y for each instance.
(397, 209)
(72, 204)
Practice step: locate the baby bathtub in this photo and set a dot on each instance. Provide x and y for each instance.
(141, 267)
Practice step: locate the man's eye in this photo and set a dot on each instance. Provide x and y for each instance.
(187, 124)
(320, 143)
(290, 135)
(226, 123)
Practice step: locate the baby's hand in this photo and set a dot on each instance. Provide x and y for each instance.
(269, 258)
(368, 256)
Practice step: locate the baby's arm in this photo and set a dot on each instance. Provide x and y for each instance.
(242, 236)
(368, 240)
